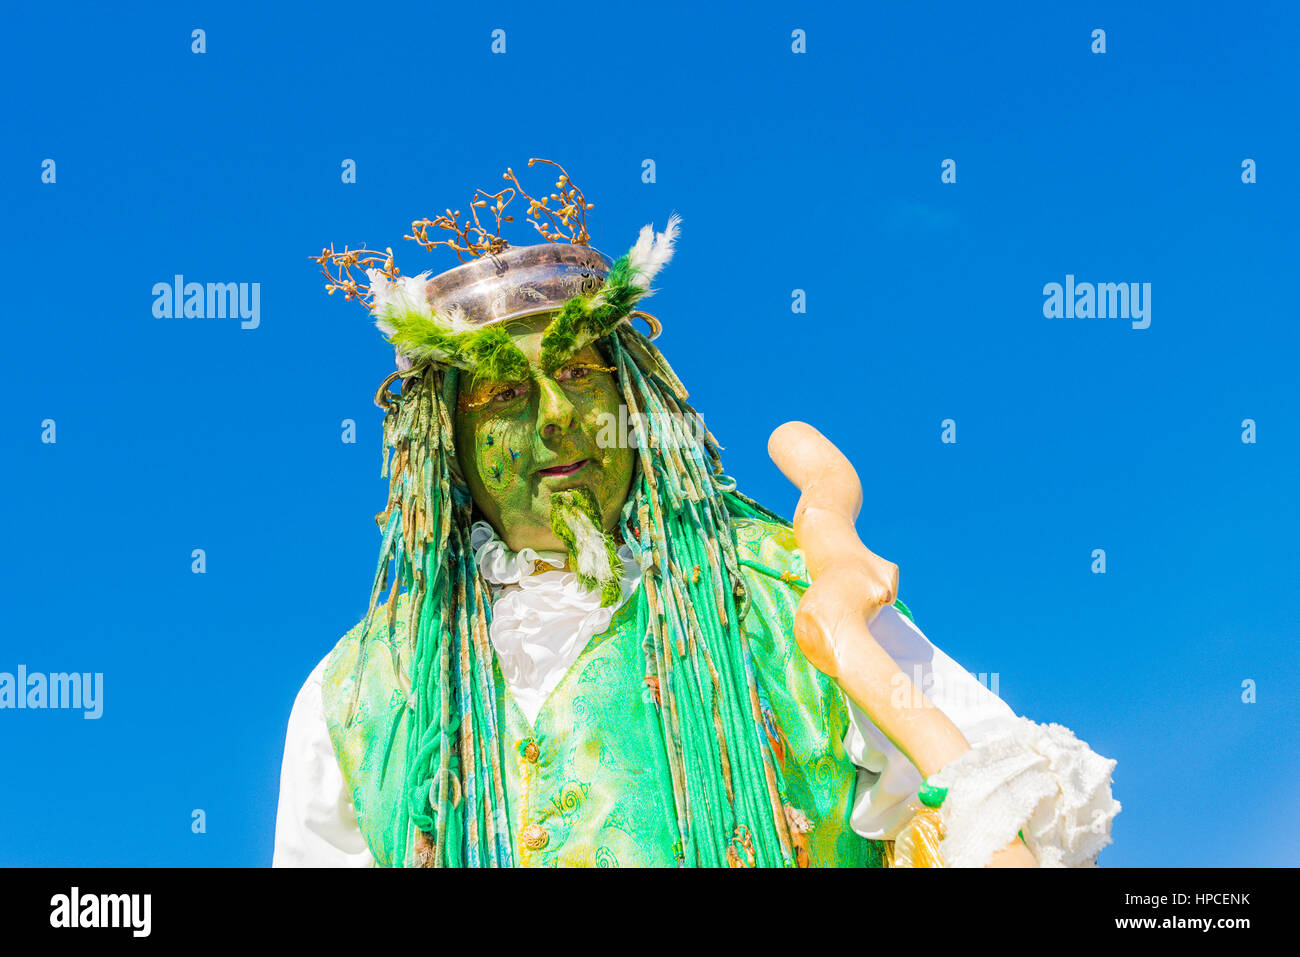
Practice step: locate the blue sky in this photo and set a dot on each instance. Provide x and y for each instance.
(818, 172)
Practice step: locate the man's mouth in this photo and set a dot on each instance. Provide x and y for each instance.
(559, 471)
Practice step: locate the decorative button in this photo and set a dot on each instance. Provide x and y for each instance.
(531, 751)
(534, 837)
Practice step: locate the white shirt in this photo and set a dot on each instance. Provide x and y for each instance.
(540, 625)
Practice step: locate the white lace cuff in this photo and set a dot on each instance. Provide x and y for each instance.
(1035, 778)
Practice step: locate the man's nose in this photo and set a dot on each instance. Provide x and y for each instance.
(556, 415)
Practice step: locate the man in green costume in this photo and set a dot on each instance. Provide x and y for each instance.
(586, 654)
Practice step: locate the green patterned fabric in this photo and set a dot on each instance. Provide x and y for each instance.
(591, 778)
(811, 714)
(363, 749)
(588, 784)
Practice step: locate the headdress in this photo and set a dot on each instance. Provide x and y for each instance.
(456, 317)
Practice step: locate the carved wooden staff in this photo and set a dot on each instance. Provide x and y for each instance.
(850, 584)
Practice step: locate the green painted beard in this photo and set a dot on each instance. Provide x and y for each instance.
(521, 443)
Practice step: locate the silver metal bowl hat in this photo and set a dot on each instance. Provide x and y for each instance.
(518, 282)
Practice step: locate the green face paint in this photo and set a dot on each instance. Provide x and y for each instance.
(520, 442)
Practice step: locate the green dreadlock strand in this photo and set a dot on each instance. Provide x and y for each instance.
(453, 813)
(729, 790)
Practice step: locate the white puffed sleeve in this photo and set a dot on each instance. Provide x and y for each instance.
(887, 781)
(315, 824)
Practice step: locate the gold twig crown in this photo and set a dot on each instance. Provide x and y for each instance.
(560, 217)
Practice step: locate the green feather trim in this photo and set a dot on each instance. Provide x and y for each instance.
(488, 352)
(621, 273)
(496, 357)
(558, 342)
(418, 337)
(583, 320)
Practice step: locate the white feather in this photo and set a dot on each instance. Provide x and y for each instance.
(652, 252)
(406, 294)
(455, 320)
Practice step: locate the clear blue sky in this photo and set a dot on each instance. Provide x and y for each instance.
(818, 171)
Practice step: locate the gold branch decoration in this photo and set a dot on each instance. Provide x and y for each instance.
(471, 235)
(560, 217)
(342, 264)
(567, 222)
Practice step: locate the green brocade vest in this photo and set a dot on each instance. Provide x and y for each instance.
(588, 785)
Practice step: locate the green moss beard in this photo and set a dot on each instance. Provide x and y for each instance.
(593, 555)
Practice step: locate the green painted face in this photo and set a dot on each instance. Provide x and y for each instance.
(520, 442)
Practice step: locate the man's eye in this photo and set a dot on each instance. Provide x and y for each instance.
(571, 373)
(509, 392)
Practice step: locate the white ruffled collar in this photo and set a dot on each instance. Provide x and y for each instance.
(498, 564)
(541, 622)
